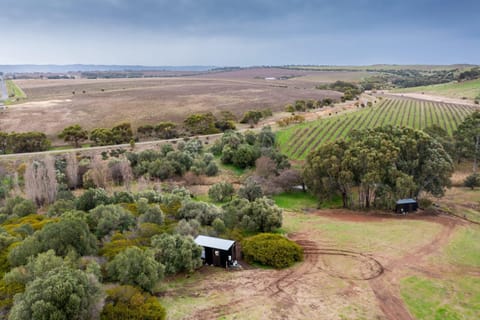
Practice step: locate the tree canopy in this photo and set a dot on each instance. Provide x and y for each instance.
(467, 139)
(61, 294)
(135, 266)
(383, 164)
(74, 134)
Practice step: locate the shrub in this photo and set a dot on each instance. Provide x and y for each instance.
(107, 218)
(203, 212)
(289, 108)
(472, 181)
(153, 214)
(151, 195)
(123, 197)
(221, 191)
(118, 244)
(252, 117)
(219, 226)
(136, 267)
(63, 293)
(251, 190)
(272, 250)
(24, 208)
(212, 169)
(300, 105)
(59, 207)
(262, 215)
(177, 252)
(162, 169)
(62, 237)
(127, 302)
(201, 123)
(92, 198)
(10, 203)
(188, 228)
(425, 203)
(245, 156)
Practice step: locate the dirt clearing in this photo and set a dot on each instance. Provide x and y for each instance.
(352, 268)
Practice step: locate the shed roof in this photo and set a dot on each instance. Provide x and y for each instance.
(212, 242)
(406, 201)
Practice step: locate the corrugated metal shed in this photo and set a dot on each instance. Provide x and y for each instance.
(215, 243)
(406, 201)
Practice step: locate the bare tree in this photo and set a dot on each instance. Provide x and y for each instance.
(99, 172)
(265, 167)
(127, 174)
(71, 170)
(41, 181)
(16, 184)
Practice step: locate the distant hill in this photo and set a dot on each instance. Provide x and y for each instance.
(378, 67)
(52, 68)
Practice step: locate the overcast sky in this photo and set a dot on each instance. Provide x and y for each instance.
(243, 32)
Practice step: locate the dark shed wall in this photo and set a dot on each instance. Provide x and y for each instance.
(221, 259)
(408, 207)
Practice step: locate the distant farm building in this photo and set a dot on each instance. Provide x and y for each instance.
(217, 252)
(406, 205)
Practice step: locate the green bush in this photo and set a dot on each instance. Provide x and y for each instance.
(272, 250)
(425, 203)
(221, 191)
(59, 207)
(62, 237)
(134, 266)
(123, 197)
(92, 198)
(105, 219)
(212, 169)
(10, 203)
(24, 208)
(472, 181)
(127, 302)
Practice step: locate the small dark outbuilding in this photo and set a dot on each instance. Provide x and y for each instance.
(406, 205)
(216, 251)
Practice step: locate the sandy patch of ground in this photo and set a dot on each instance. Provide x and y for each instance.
(39, 104)
(435, 98)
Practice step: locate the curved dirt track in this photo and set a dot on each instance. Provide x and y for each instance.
(386, 287)
(285, 287)
(292, 291)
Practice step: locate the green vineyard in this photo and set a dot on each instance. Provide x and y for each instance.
(298, 140)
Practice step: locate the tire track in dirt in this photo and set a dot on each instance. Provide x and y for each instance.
(386, 288)
(283, 289)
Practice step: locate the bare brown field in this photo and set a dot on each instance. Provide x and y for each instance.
(51, 104)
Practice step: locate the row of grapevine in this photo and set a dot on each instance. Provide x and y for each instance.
(417, 114)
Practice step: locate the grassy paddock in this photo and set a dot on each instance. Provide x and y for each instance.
(467, 89)
(432, 299)
(15, 91)
(392, 237)
(295, 200)
(464, 249)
